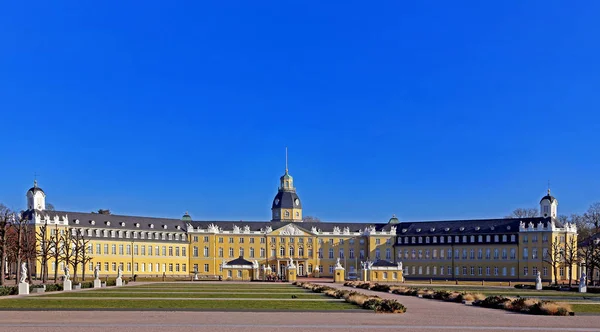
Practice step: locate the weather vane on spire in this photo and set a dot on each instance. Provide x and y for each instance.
(548, 187)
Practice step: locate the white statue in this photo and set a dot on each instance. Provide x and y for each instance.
(583, 280)
(96, 273)
(538, 278)
(255, 264)
(67, 273)
(338, 265)
(292, 263)
(119, 272)
(400, 266)
(23, 272)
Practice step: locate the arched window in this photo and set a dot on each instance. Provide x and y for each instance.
(301, 252)
(291, 251)
(287, 214)
(282, 251)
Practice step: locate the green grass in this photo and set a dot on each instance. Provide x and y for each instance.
(183, 295)
(586, 308)
(51, 304)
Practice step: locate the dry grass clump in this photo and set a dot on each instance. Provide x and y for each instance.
(364, 301)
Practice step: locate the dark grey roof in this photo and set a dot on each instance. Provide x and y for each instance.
(384, 263)
(239, 261)
(463, 227)
(34, 189)
(100, 221)
(548, 197)
(320, 226)
(286, 199)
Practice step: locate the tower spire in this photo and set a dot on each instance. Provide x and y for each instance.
(548, 187)
(286, 160)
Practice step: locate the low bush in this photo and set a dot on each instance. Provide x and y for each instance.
(364, 301)
(87, 284)
(54, 287)
(9, 290)
(380, 288)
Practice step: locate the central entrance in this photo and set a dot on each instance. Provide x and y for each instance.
(301, 269)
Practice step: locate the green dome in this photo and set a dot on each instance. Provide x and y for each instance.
(394, 220)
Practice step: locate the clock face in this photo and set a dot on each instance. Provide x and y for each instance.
(276, 201)
(297, 201)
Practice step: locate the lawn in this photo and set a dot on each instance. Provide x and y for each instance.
(52, 304)
(183, 295)
(586, 308)
(193, 297)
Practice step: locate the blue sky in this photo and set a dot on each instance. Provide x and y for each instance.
(429, 110)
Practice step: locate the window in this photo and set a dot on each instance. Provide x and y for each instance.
(441, 253)
(98, 249)
(320, 253)
(479, 270)
(206, 268)
(464, 254)
(495, 270)
(241, 240)
(420, 239)
(434, 254)
(230, 252)
(164, 251)
(534, 239)
(512, 238)
(170, 267)
(121, 249)
(513, 254)
(282, 252)
(504, 254)
(262, 252)
(351, 253)
(143, 250)
(487, 271)
(301, 252)
(377, 253)
(496, 238)
(534, 253)
(251, 252)
(106, 249)
(427, 253)
(472, 254)
(472, 270)
(457, 271)
(331, 253)
(114, 266)
(241, 251)
(504, 238)
(464, 270)
(479, 254)
(545, 271)
(544, 238)
(171, 251)
(525, 271)
(113, 249)
(251, 240)
(230, 240)
(420, 270)
(496, 254)
(525, 240)
(534, 271)
(504, 271)
(310, 252)
(331, 269)
(488, 253)
(388, 254)
(205, 251)
(525, 253)
(220, 240)
(183, 251)
(291, 250)
(362, 254)
(512, 271)
(449, 256)
(420, 253)
(195, 251)
(149, 250)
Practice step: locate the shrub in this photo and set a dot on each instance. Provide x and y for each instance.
(9, 290)
(371, 304)
(54, 287)
(380, 288)
(494, 302)
(88, 284)
(550, 308)
(390, 306)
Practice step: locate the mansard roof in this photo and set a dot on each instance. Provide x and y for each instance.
(464, 227)
(383, 263)
(113, 221)
(239, 261)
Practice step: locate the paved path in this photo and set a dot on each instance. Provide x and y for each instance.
(157, 321)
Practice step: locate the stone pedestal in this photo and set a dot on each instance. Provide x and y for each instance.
(103, 284)
(195, 276)
(67, 285)
(119, 282)
(538, 285)
(291, 273)
(582, 288)
(97, 283)
(316, 272)
(23, 288)
(339, 276)
(365, 275)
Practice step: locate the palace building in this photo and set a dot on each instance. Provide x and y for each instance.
(487, 249)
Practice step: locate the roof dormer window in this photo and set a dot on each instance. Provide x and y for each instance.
(107, 223)
(151, 225)
(122, 224)
(92, 222)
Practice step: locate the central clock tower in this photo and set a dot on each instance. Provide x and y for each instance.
(286, 204)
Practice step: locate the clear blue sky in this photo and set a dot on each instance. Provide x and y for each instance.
(429, 110)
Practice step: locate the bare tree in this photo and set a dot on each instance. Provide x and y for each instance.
(571, 255)
(524, 213)
(80, 255)
(86, 257)
(592, 216)
(55, 249)
(44, 251)
(19, 225)
(589, 255)
(311, 219)
(5, 219)
(68, 247)
(554, 257)
(49, 207)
